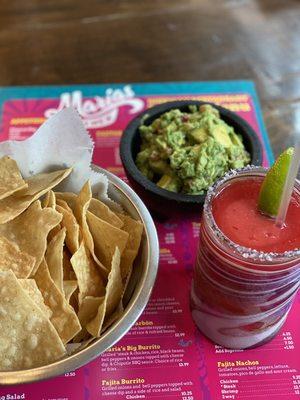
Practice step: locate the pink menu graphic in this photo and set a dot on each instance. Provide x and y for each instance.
(163, 356)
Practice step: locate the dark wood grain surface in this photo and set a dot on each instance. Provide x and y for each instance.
(94, 41)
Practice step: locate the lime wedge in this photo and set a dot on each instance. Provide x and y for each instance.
(273, 184)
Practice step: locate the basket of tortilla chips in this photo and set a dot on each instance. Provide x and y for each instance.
(78, 254)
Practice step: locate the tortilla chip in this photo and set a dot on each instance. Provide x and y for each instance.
(38, 185)
(82, 336)
(127, 260)
(103, 212)
(90, 282)
(69, 289)
(113, 317)
(63, 316)
(106, 238)
(11, 257)
(74, 300)
(53, 232)
(30, 229)
(54, 258)
(49, 200)
(68, 197)
(10, 177)
(65, 204)
(113, 297)
(69, 273)
(82, 203)
(95, 325)
(30, 287)
(114, 286)
(45, 181)
(80, 209)
(135, 230)
(87, 311)
(27, 337)
(96, 207)
(45, 200)
(71, 225)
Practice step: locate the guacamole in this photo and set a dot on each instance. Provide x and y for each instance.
(185, 152)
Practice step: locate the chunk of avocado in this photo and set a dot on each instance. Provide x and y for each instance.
(170, 182)
(158, 166)
(209, 109)
(199, 135)
(220, 134)
(236, 139)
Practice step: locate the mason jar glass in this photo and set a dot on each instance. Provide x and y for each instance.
(240, 297)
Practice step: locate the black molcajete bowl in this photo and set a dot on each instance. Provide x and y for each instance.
(161, 201)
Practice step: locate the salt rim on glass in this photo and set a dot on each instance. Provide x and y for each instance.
(245, 252)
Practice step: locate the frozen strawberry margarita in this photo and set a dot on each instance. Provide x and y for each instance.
(248, 269)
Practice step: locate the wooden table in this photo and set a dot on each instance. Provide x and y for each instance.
(90, 41)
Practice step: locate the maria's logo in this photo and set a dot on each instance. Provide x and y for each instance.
(99, 112)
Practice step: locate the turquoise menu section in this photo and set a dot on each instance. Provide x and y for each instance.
(163, 356)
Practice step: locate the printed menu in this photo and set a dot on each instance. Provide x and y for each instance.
(163, 356)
